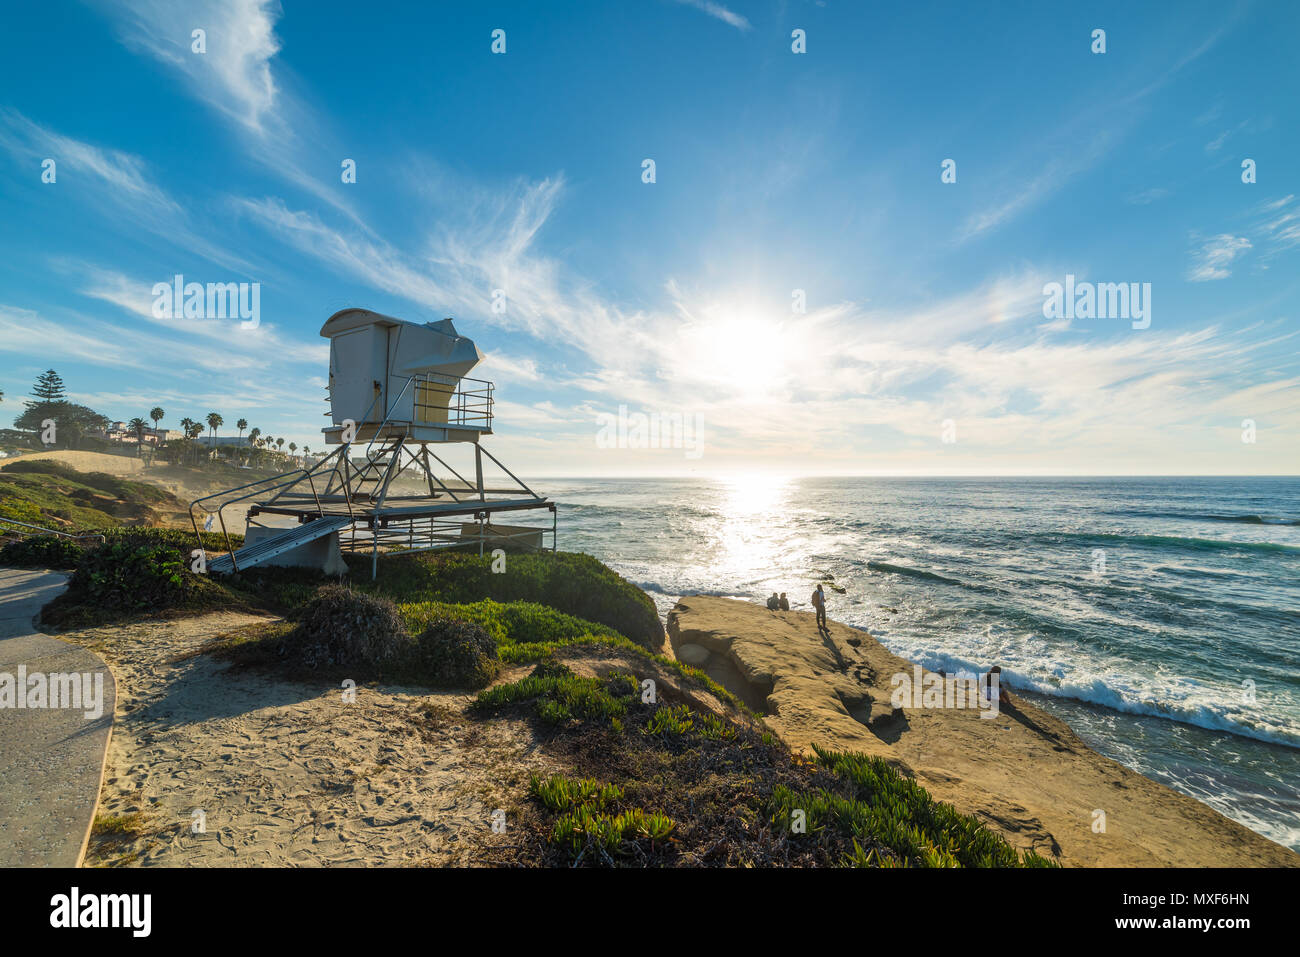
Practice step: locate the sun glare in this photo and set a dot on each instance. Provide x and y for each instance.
(752, 493)
(747, 356)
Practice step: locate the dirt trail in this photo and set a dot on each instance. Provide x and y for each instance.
(288, 773)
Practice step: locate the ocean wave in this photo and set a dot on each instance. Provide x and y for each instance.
(1096, 691)
(674, 592)
(1212, 717)
(1211, 517)
(1176, 541)
(913, 572)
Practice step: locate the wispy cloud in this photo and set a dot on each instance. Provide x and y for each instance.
(1052, 176)
(112, 181)
(187, 373)
(135, 297)
(1214, 257)
(1279, 223)
(1113, 120)
(234, 73)
(491, 247)
(116, 172)
(720, 12)
(1147, 196)
(236, 77)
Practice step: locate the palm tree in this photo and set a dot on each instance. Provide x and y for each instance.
(195, 430)
(157, 414)
(138, 425)
(187, 430)
(241, 425)
(214, 422)
(279, 443)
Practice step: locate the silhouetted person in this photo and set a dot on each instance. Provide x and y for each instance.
(784, 603)
(772, 602)
(819, 603)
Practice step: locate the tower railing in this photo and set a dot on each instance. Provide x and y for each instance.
(465, 402)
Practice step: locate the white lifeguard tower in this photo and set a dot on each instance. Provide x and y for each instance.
(399, 402)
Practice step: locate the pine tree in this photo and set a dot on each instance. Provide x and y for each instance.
(48, 389)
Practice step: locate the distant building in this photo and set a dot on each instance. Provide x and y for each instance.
(122, 432)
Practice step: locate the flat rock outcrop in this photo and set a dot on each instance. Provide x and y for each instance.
(1022, 771)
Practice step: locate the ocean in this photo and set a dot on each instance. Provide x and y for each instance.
(1158, 617)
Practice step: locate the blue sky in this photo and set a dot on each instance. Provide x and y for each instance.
(775, 172)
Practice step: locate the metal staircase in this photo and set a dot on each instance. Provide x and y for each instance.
(369, 480)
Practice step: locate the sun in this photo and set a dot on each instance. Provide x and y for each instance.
(745, 356)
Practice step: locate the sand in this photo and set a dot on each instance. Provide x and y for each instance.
(286, 773)
(1024, 773)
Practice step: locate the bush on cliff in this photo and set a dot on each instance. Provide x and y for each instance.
(509, 623)
(42, 551)
(569, 582)
(131, 576)
(341, 627)
(457, 654)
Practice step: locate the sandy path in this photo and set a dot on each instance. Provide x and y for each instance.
(51, 758)
(287, 773)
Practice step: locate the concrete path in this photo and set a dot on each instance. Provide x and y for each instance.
(51, 758)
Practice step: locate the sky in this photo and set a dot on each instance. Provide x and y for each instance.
(841, 265)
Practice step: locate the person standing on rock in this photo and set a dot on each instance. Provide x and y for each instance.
(819, 603)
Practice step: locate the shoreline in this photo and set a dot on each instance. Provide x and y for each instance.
(1100, 707)
(1026, 774)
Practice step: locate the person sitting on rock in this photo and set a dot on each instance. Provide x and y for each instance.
(987, 686)
(772, 602)
(784, 602)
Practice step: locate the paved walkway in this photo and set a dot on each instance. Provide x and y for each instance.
(51, 759)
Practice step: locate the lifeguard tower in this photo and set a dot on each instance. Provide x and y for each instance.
(400, 407)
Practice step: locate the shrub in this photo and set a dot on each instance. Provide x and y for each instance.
(517, 622)
(562, 794)
(587, 818)
(559, 696)
(456, 653)
(572, 583)
(126, 575)
(876, 804)
(675, 721)
(12, 505)
(182, 539)
(345, 628)
(42, 551)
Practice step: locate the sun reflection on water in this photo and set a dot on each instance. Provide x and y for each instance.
(752, 537)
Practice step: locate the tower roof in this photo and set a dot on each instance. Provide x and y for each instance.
(345, 320)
